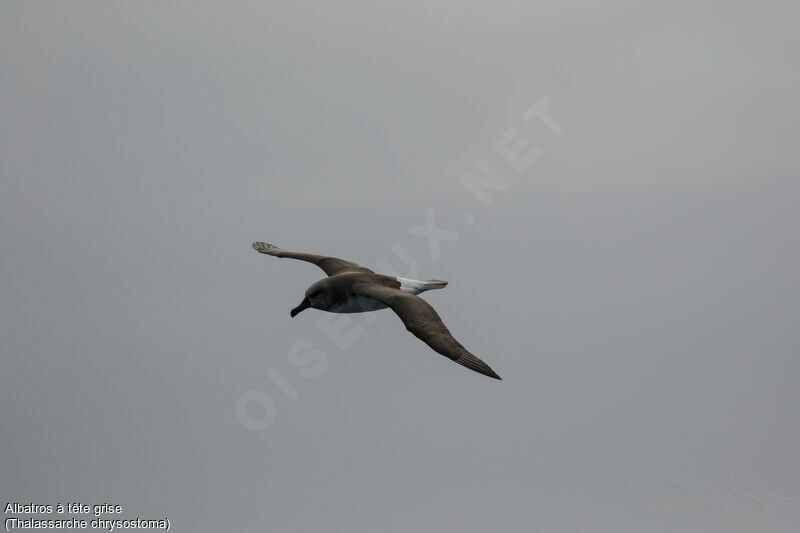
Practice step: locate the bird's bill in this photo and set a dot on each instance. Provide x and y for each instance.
(305, 304)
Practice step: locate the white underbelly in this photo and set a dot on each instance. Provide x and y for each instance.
(359, 304)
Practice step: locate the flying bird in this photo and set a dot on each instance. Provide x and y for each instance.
(351, 288)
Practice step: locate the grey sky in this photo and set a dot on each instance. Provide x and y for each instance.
(633, 287)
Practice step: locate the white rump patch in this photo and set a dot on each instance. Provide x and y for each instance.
(412, 285)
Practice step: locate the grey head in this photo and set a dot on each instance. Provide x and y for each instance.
(320, 295)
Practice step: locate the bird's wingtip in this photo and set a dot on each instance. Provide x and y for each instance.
(265, 247)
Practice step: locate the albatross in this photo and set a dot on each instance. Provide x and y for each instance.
(352, 288)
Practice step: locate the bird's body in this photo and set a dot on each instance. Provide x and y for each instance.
(358, 304)
(347, 301)
(351, 288)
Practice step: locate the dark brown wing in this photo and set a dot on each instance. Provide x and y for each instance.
(422, 320)
(331, 265)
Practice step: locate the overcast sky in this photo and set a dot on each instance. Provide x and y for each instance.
(632, 273)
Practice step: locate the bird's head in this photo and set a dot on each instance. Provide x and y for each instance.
(318, 296)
